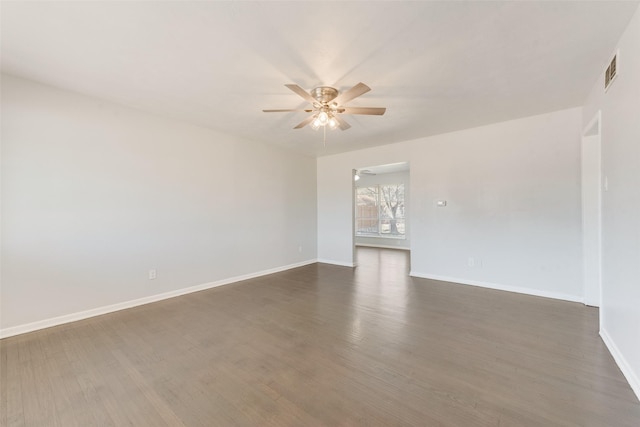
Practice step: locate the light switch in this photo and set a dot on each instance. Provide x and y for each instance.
(441, 203)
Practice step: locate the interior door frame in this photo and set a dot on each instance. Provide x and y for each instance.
(591, 186)
(353, 217)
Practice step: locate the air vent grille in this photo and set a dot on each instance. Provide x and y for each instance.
(612, 72)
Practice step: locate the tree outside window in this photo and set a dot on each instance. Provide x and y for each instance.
(380, 211)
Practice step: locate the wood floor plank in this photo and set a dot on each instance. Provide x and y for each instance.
(323, 345)
(12, 412)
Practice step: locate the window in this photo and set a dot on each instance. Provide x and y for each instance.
(380, 211)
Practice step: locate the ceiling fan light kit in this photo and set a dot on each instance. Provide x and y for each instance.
(327, 103)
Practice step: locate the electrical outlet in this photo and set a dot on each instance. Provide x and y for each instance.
(471, 262)
(299, 248)
(153, 274)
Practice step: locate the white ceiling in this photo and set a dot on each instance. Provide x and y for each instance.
(386, 169)
(436, 66)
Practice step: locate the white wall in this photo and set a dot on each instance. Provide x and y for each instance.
(620, 139)
(95, 194)
(388, 178)
(513, 194)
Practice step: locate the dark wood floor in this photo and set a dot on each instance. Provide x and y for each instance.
(323, 345)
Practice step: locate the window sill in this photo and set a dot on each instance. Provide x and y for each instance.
(382, 236)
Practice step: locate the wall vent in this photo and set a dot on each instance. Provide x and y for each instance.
(612, 72)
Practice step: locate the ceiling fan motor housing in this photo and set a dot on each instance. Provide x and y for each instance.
(324, 94)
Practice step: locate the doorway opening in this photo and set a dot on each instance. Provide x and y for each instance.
(381, 207)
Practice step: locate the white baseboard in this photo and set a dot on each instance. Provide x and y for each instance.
(624, 366)
(67, 318)
(340, 263)
(367, 245)
(508, 288)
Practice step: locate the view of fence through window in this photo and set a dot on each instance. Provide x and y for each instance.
(380, 211)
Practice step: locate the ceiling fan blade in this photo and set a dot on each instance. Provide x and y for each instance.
(372, 111)
(352, 93)
(341, 123)
(281, 111)
(303, 93)
(286, 111)
(304, 122)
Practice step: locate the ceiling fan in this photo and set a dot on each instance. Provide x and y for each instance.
(361, 172)
(366, 172)
(327, 105)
